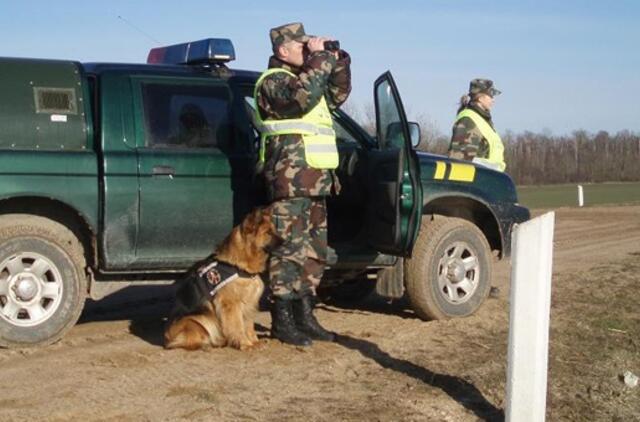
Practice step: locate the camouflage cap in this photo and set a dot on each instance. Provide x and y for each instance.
(289, 32)
(483, 86)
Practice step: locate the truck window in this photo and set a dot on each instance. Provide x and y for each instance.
(186, 116)
(343, 136)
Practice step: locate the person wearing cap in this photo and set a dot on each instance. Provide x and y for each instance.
(193, 128)
(474, 137)
(294, 100)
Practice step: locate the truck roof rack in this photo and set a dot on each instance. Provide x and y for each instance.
(210, 51)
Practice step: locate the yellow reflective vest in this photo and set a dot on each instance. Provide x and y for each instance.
(495, 160)
(315, 127)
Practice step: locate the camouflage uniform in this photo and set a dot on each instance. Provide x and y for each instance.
(466, 140)
(296, 190)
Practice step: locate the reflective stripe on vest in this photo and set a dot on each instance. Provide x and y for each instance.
(315, 127)
(495, 159)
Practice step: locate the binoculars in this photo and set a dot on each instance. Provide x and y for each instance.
(332, 45)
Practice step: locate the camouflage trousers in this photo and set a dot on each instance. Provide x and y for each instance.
(297, 264)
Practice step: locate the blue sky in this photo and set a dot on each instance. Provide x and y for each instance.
(562, 65)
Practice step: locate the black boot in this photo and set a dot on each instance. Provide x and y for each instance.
(283, 326)
(307, 322)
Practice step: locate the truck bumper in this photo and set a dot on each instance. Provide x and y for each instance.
(515, 214)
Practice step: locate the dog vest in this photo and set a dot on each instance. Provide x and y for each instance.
(211, 277)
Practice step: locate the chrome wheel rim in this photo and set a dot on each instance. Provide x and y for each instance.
(31, 289)
(458, 273)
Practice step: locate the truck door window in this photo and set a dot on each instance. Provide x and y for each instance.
(343, 136)
(186, 116)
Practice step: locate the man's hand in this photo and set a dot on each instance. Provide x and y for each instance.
(316, 44)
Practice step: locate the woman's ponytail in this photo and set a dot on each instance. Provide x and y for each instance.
(464, 101)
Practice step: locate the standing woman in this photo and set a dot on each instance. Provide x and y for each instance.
(474, 137)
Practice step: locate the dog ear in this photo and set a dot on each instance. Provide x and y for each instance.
(266, 213)
(251, 222)
(265, 223)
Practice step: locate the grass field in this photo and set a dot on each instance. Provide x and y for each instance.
(553, 196)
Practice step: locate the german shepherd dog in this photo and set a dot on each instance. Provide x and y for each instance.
(202, 318)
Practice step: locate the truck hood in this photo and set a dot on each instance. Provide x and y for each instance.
(486, 183)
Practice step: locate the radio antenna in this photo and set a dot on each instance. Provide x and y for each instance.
(138, 29)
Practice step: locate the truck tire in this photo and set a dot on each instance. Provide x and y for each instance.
(449, 275)
(43, 284)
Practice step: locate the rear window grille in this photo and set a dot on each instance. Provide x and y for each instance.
(55, 100)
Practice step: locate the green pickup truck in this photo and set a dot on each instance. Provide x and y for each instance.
(119, 173)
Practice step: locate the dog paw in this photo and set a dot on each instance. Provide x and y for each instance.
(245, 346)
(259, 344)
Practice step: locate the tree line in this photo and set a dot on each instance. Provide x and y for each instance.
(544, 158)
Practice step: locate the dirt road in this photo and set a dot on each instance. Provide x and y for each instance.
(387, 365)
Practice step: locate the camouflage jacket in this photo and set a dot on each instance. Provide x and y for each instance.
(282, 96)
(466, 140)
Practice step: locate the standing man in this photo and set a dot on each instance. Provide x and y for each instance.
(474, 137)
(294, 100)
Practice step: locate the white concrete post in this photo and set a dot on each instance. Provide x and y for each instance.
(580, 196)
(532, 256)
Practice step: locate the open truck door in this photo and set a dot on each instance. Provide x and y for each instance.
(395, 192)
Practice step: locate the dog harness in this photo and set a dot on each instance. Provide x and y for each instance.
(211, 277)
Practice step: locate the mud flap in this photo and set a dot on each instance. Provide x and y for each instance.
(390, 282)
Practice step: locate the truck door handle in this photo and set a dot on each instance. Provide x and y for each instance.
(164, 171)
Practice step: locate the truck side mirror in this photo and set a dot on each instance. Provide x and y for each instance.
(414, 133)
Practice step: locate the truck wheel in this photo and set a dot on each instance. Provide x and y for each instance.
(449, 275)
(42, 280)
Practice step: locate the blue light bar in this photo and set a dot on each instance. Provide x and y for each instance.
(207, 51)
